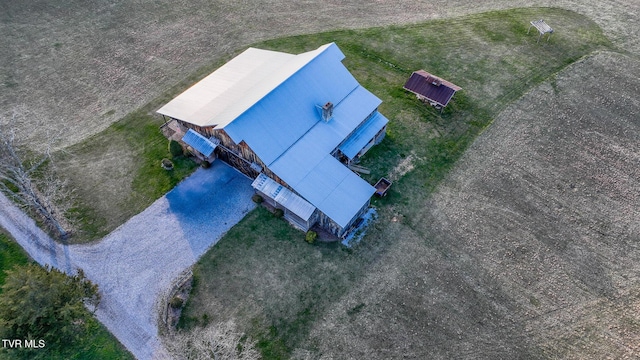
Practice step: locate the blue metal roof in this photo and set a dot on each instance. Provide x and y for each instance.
(284, 115)
(361, 137)
(288, 134)
(308, 167)
(335, 190)
(199, 143)
(286, 131)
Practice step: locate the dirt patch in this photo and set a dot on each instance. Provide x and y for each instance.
(528, 249)
(407, 164)
(83, 65)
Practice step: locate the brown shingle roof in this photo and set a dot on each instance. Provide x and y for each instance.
(433, 88)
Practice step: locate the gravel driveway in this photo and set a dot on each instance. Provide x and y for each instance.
(138, 261)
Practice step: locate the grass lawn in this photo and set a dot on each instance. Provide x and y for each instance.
(275, 286)
(11, 255)
(116, 174)
(97, 344)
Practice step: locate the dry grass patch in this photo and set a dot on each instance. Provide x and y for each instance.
(528, 249)
(117, 174)
(400, 292)
(84, 65)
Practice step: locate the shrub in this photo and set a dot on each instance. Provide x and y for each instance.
(176, 302)
(257, 199)
(175, 148)
(311, 236)
(166, 164)
(51, 305)
(278, 213)
(205, 164)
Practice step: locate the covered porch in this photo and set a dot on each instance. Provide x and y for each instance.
(297, 210)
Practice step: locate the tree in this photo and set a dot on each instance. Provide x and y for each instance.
(32, 182)
(44, 303)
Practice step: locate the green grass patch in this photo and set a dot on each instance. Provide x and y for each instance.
(116, 173)
(97, 343)
(291, 297)
(11, 254)
(133, 177)
(262, 273)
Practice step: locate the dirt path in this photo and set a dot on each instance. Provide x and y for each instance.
(137, 262)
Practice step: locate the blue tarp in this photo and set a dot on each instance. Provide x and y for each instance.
(200, 143)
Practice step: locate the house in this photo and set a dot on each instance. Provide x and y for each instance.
(293, 123)
(430, 88)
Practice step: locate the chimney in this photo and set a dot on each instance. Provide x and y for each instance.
(327, 111)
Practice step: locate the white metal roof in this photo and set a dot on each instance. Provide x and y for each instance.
(225, 94)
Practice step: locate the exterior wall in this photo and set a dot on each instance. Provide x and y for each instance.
(291, 217)
(380, 135)
(240, 156)
(377, 139)
(325, 222)
(203, 130)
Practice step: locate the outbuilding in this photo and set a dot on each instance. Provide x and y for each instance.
(430, 88)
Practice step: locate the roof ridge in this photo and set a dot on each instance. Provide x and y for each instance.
(285, 77)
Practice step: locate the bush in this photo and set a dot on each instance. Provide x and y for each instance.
(311, 236)
(205, 164)
(257, 199)
(278, 213)
(166, 164)
(51, 305)
(176, 302)
(175, 148)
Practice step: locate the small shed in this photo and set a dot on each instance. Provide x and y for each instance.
(542, 27)
(427, 87)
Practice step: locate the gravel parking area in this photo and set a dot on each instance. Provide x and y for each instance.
(137, 262)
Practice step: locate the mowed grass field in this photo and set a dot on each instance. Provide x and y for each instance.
(464, 261)
(76, 67)
(88, 76)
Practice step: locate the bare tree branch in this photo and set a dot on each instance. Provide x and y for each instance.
(30, 179)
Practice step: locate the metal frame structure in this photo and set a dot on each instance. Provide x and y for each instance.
(542, 27)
